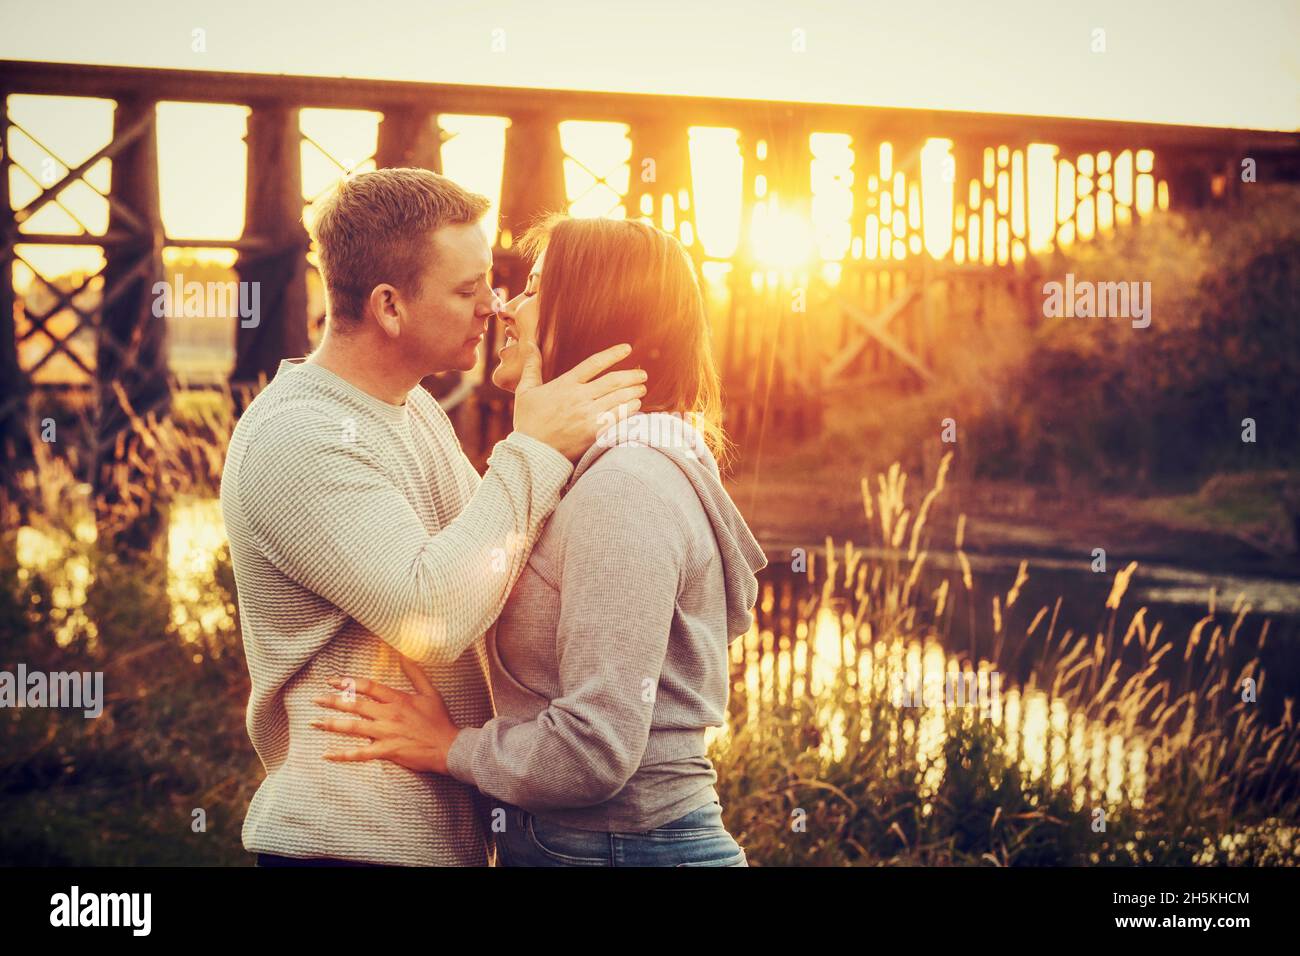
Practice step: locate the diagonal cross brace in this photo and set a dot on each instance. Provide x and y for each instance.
(875, 329)
(109, 150)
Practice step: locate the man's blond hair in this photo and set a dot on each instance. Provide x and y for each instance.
(374, 228)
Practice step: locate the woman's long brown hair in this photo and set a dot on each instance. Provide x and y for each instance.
(607, 281)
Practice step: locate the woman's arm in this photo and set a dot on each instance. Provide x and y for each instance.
(622, 554)
(622, 551)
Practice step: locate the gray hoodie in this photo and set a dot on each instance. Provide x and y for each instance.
(610, 658)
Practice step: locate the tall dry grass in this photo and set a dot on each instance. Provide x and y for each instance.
(833, 775)
(1199, 776)
(122, 789)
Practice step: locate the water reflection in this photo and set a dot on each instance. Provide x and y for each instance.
(60, 558)
(1039, 732)
(195, 539)
(67, 557)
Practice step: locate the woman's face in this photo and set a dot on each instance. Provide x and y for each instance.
(519, 324)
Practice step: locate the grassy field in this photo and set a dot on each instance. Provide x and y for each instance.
(1204, 780)
(836, 775)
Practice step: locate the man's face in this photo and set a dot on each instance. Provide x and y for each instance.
(446, 321)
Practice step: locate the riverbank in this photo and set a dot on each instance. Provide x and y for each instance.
(1233, 525)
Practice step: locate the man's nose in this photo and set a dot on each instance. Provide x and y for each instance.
(496, 303)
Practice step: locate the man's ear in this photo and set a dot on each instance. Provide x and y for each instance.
(386, 308)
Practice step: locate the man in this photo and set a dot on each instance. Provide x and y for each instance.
(359, 530)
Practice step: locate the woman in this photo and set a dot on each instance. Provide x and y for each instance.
(610, 658)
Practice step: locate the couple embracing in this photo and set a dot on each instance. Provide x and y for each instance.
(450, 668)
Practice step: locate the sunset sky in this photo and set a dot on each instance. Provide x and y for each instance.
(1170, 61)
(1165, 61)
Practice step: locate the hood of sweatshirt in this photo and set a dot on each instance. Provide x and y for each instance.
(682, 443)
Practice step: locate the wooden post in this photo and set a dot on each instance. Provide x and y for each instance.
(1230, 169)
(274, 206)
(789, 175)
(15, 443)
(532, 186)
(131, 345)
(1188, 174)
(533, 179)
(409, 137)
(660, 166)
(968, 164)
(735, 368)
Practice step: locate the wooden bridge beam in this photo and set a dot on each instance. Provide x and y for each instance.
(274, 207)
(533, 181)
(15, 443)
(131, 344)
(1189, 177)
(409, 137)
(660, 149)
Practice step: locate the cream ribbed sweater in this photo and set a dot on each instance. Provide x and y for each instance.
(359, 529)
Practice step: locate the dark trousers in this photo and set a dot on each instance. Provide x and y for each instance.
(270, 859)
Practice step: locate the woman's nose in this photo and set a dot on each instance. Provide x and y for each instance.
(495, 303)
(510, 307)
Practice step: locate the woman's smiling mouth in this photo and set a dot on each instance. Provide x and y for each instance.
(509, 336)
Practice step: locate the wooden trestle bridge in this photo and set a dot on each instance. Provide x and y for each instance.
(891, 274)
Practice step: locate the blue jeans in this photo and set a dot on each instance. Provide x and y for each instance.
(697, 839)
